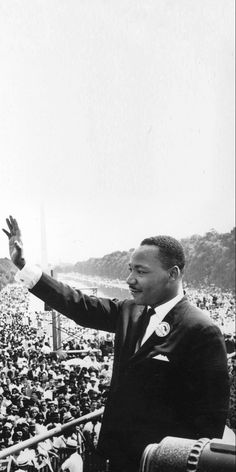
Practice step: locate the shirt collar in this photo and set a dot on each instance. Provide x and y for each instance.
(162, 310)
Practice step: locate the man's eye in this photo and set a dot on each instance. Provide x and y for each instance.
(140, 272)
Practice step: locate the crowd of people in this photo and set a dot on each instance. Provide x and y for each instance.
(41, 388)
(218, 304)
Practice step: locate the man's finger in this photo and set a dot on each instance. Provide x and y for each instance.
(6, 232)
(9, 224)
(12, 221)
(15, 224)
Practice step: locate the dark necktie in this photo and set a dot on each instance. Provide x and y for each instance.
(144, 325)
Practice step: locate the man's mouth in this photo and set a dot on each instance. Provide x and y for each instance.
(134, 290)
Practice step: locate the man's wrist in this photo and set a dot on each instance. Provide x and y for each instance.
(29, 275)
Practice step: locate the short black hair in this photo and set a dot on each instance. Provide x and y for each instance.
(171, 252)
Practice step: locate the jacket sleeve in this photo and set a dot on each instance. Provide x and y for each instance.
(208, 383)
(88, 311)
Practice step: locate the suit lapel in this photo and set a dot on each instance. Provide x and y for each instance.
(152, 345)
(133, 329)
(148, 349)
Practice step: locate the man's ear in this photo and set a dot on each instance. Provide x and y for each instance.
(174, 272)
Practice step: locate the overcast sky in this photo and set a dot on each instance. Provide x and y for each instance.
(117, 118)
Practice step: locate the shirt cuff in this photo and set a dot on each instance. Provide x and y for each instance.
(29, 275)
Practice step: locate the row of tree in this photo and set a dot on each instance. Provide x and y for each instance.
(210, 261)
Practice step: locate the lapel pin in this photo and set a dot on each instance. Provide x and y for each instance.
(162, 329)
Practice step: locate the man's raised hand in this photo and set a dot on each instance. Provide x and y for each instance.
(15, 242)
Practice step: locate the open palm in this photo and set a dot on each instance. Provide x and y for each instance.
(15, 242)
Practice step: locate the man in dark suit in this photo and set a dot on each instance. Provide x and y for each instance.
(170, 367)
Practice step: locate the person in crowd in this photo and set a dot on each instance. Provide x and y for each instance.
(74, 462)
(91, 432)
(170, 373)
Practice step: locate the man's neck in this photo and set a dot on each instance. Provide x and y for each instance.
(177, 294)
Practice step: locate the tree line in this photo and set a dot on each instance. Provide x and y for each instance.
(210, 261)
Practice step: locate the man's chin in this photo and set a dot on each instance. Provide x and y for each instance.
(138, 298)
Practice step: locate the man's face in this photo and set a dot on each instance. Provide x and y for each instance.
(93, 406)
(149, 282)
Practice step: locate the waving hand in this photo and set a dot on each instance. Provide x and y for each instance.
(15, 242)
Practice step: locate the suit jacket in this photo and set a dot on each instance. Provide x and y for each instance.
(174, 385)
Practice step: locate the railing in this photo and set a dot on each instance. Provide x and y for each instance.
(56, 462)
(79, 351)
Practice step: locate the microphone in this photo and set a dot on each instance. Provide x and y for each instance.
(188, 455)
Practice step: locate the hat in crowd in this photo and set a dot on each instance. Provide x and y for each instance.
(8, 425)
(11, 419)
(67, 417)
(23, 463)
(71, 443)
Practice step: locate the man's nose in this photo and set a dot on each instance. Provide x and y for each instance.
(131, 279)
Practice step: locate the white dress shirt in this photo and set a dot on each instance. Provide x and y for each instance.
(160, 313)
(29, 275)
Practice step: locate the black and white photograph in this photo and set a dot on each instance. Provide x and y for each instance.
(117, 247)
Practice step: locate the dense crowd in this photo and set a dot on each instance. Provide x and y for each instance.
(218, 304)
(41, 388)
